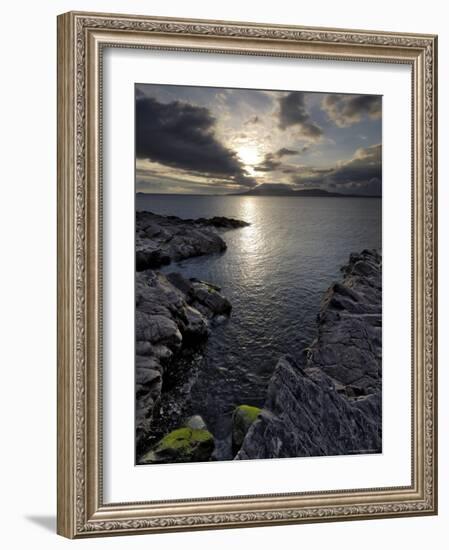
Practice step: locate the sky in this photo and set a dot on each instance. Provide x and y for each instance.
(201, 140)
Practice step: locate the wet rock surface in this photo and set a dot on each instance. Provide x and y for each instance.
(329, 403)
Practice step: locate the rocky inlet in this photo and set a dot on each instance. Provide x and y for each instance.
(325, 402)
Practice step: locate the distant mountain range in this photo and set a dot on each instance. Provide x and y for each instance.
(281, 190)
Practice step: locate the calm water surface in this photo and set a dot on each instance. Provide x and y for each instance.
(274, 272)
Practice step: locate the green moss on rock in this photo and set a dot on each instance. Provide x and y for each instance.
(248, 412)
(242, 418)
(182, 445)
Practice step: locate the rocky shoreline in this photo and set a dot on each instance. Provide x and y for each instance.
(174, 316)
(327, 402)
(330, 401)
(161, 240)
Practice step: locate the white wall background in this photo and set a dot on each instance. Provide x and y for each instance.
(28, 272)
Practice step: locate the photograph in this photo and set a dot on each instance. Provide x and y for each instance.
(258, 274)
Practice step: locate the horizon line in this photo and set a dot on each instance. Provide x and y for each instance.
(244, 194)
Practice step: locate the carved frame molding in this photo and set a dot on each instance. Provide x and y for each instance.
(81, 39)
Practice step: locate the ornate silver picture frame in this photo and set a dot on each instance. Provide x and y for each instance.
(82, 41)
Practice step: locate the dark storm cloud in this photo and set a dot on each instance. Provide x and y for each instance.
(273, 161)
(182, 136)
(364, 167)
(285, 152)
(361, 174)
(346, 110)
(293, 111)
(269, 163)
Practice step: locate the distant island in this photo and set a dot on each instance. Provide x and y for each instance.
(278, 190)
(283, 190)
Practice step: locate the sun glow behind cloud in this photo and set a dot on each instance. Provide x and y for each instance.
(250, 156)
(220, 141)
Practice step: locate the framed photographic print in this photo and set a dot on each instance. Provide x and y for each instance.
(246, 274)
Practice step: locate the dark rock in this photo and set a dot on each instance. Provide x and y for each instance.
(196, 328)
(159, 329)
(148, 392)
(151, 259)
(195, 422)
(222, 223)
(304, 415)
(205, 295)
(208, 284)
(349, 343)
(168, 325)
(242, 418)
(180, 282)
(162, 239)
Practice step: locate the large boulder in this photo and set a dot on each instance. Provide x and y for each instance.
(151, 259)
(196, 328)
(209, 300)
(195, 422)
(159, 329)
